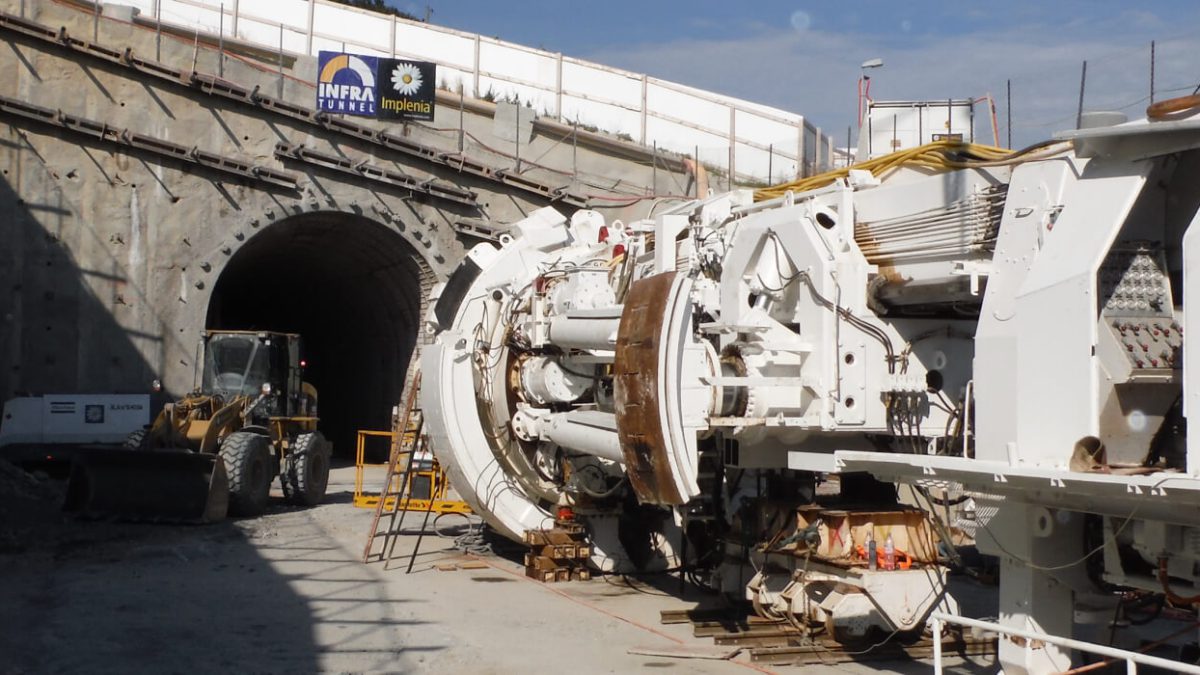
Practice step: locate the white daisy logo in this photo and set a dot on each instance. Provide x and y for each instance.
(406, 78)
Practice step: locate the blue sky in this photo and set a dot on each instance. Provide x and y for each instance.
(804, 56)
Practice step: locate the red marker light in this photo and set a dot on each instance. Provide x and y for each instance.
(603, 234)
(303, 363)
(618, 251)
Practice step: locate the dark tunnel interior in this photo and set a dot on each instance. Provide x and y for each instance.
(350, 287)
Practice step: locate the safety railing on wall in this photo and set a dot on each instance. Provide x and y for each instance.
(753, 143)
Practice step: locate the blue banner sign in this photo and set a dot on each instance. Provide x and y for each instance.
(347, 83)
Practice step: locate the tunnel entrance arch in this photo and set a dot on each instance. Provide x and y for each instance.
(352, 288)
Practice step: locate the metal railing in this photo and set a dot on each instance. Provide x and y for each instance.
(1131, 659)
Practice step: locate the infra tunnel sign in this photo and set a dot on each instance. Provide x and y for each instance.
(354, 84)
(346, 83)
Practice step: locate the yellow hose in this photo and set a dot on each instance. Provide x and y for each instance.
(938, 156)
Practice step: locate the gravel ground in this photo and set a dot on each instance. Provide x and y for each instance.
(286, 592)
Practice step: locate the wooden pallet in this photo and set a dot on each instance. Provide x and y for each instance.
(558, 554)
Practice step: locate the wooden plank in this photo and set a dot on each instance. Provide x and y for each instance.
(687, 651)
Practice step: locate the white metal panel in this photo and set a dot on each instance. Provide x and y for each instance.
(589, 80)
(1034, 192)
(74, 418)
(1058, 404)
(364, 28)
(22, 421)
(188, 14)
(1191, 348)
(762, 163)
(1074, 244)
(367, 51)
(608, 117)
(294, 41)
(681, 138)
(434, 45)
(759, 129)
(763, 111)
(897, 127)
(98, 418)
(530, 67)
(146, 7)
(334, 44)
(710, 115)
(252, 30)
(320, 44)
(501, 89)
(293, 13)
(454, 79)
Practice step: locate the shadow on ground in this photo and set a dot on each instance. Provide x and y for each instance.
(270, 594)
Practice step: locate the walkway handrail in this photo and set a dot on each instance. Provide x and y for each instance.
(1131, 659)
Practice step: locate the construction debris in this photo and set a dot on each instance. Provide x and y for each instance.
(28, 508)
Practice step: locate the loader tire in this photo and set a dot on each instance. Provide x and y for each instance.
(247, 458)
(306, 471)
(136, 440)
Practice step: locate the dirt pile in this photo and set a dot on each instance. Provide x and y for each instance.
(30, 508)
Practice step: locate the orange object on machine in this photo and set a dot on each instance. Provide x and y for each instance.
(903, 560)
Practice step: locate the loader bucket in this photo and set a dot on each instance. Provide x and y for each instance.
(164, 486)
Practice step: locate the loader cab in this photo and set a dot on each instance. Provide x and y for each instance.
(244, 363)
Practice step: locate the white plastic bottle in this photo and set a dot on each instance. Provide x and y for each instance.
(889, 553)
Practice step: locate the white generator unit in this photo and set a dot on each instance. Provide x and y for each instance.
(892, 126)
(53, 426)
(1011, 328)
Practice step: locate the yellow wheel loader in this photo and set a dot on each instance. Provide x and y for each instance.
(218, 449)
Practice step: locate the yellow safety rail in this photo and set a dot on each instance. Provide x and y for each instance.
(429, 481)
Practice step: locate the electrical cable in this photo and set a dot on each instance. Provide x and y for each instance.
(1164, 578)
(944, 155)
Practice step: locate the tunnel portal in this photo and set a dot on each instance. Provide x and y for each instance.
(351, 288)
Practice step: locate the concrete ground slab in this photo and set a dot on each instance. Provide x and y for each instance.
(286, 592)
